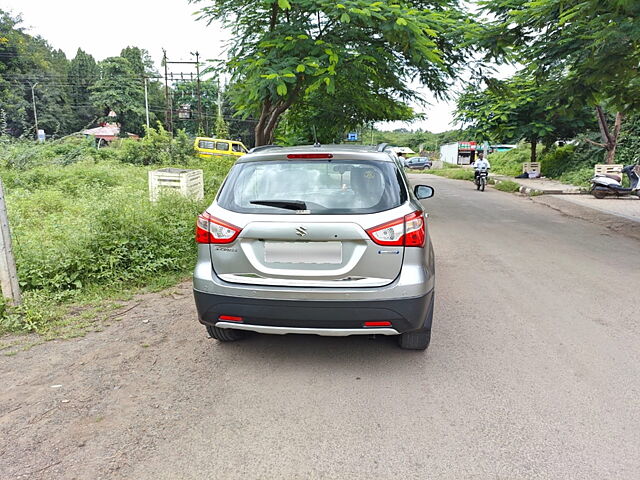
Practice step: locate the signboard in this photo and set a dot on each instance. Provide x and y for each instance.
(352, 136)
(185, 111)
(466, 146)
(41, 136)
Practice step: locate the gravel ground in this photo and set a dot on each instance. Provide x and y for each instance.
(626, 207)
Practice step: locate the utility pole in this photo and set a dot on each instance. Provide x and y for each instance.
(219, 99)
(200, 126)
(35, 113)
(168, 115)
(146, 100)
(8, 272)
(169, 109)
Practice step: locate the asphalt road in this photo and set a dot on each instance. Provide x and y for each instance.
(533, 372)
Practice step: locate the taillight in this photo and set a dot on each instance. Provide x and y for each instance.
(210, 229)
(415, 230)
(408, 231)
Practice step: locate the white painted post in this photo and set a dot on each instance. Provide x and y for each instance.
(8, 272)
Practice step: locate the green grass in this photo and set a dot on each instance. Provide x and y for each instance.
(84, 231)
(507, 186)
(510, 162)
(454, 173)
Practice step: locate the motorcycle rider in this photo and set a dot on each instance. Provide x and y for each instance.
(481, 164)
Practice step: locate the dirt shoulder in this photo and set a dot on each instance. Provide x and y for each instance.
(618, 224)
(87, 407)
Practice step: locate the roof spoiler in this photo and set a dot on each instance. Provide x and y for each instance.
(263, 147)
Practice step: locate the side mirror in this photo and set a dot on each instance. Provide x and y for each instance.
(423, 191)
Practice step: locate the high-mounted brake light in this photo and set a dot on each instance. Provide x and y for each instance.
(310, 155)
(408, 231)
(210, 229)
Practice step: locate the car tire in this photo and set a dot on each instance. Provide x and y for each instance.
(225, 334)
(416, 340)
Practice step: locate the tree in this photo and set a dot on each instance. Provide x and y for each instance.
(120, 90)
(221, 129)
(351, 108)
(284, 50)
(26, 62)
(144, 68)
(520, 108)
(140, 61)
(592, 46)
(83, 73)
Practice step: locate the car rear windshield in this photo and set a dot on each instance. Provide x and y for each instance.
(327, 187)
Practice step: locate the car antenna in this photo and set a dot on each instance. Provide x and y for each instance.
(316, 143)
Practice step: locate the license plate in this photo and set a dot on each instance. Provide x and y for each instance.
(303, 252)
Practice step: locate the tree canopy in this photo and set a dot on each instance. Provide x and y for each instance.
(283, 50)
(589, 48)
(521, 107)
(592, 46)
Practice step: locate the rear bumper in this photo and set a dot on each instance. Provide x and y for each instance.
(319, 317)
(325, 332)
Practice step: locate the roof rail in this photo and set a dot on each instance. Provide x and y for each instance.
(263, 147)
(382, 147)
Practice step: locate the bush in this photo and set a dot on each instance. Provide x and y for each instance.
(629, 143)
(579, 177)
(507, 186)
(510, 162)
(557, 160)
(454, 173)
(23, 155)
(89, 225)
(571, 164)
(157, 147)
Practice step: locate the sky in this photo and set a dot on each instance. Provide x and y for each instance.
(104, 29)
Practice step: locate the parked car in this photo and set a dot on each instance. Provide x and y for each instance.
(319, 240)
(206, 147)
(418, 163)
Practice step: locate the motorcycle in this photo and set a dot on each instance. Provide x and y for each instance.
(481, 178)
(603, 185)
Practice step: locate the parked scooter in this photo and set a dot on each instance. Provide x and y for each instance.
(603, 185)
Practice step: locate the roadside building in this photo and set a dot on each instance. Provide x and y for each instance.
(106, 133)
(464, 153)
(458, 153)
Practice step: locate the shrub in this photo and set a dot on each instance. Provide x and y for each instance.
(507, 186)
(557, 160)
(157, 147)
(454, 173)
(579, 177)
(89, 225)
(510, 162)
(629, 143)
(571, 164)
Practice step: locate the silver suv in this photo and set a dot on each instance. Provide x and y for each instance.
(320, 240)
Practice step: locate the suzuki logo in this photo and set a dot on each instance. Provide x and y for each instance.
(301, 231)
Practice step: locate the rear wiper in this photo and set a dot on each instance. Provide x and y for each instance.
(286, 204)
